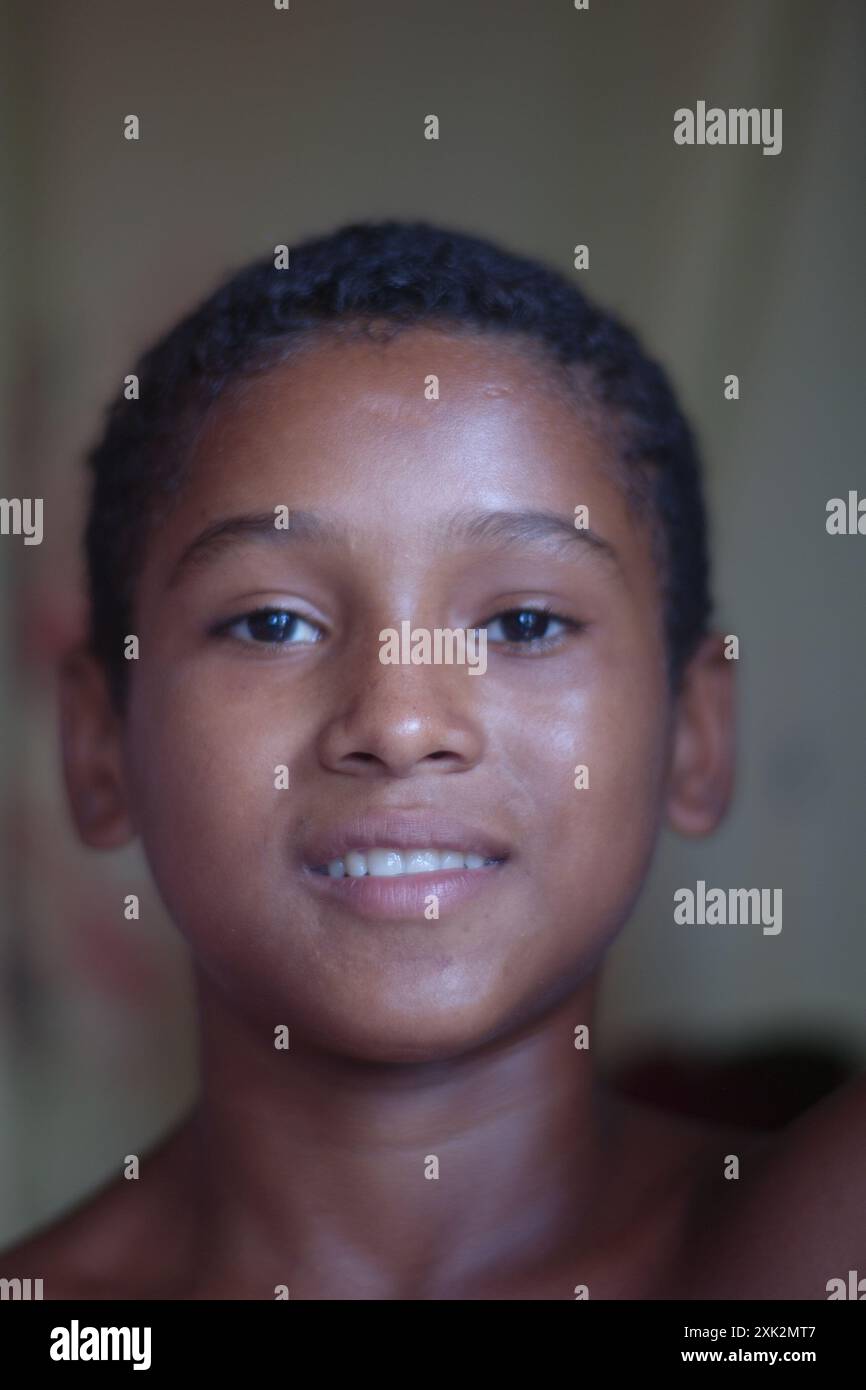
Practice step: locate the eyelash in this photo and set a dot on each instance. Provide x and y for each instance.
(532, 645)
(537, 644)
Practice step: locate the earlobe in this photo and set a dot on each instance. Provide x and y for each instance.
(92, 753)
(702, 762)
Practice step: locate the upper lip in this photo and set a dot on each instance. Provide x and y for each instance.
(418, 829)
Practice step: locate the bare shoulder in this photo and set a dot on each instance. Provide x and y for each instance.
(818, 1167)
(837, 1127)
(788, 1216)
(665, 1172)
(75, 1256)
(123, 1240)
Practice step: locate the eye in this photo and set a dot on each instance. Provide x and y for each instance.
(272, 627)
(528, 627)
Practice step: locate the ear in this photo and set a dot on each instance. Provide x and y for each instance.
(702, 760)
(91, 745)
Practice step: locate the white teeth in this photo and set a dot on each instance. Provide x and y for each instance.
(424, 861)
(389, 863)
(356, 864)
(453, 859)
(384, 863)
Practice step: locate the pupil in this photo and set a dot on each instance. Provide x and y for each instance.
(524, 623)
(270, 626)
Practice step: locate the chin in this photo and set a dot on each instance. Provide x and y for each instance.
(410, 1039)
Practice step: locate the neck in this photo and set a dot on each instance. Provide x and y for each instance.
(318, 1170)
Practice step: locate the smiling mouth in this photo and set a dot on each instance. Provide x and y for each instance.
(395, 863)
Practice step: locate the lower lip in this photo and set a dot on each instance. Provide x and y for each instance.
(405, 896)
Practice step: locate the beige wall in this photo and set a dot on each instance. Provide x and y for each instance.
(556, 127)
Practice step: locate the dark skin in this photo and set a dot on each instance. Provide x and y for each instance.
(411, 1038)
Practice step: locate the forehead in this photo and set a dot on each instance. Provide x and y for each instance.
(462, 406)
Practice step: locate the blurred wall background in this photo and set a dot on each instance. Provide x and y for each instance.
(261, 127)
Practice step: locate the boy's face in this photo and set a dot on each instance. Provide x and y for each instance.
(346, 432)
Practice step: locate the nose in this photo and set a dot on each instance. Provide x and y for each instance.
(401, 720)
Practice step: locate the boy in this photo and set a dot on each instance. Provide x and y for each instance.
(398, 878)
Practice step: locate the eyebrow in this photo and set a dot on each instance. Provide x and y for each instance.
(556, 533)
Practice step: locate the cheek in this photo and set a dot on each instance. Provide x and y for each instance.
(203, 779)
(596, 767)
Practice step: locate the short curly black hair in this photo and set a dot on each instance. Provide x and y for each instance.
(399, 273)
